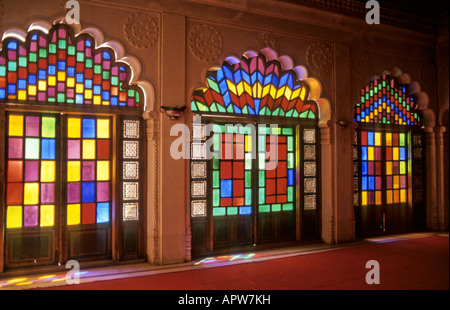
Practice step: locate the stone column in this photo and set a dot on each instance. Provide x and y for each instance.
(327, 184)
(440, 181)
(431, 186)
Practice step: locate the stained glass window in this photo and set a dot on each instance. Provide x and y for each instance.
(385, 101)
(31, 170)
(276, 186)
(60, 68)
(88, 170)
(254, 86)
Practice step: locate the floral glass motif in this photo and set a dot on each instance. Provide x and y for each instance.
(254, 86)
(60, 68)
(385, 101)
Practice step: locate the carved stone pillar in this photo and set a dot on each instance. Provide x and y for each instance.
(327, 184)
(153, 222)
(431, 186)
(440, 181)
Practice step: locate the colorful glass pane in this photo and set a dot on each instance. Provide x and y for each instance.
(254, 86)
(60, 68)
(88, 177)
(385, 101)
(31, 170)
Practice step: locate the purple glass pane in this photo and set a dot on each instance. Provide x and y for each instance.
(47, 193)
(32, 126)
(73, 192)
(377, 182)
(31, 171)
(73, 149)
(378, 153)
(15, 146)
(89, 171)
(370, 168)
(30, 216)
(389, 182)
(102, 191)
(403, 181)
(395, 167)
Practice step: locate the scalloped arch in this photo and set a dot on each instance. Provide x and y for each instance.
(261, 84)
(58, 64)
(392, 98)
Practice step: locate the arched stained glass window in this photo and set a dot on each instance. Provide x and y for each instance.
(254, 86)
(383, 101)
(387, 169)
(60, 68)
(73, 141)
(238, 196)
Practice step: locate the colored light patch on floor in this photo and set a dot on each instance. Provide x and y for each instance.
(228, 258)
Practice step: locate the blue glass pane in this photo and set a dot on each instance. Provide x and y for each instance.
(364, 168)
(103, 212)
(364, 153)
(364, 183)
(290, 177)
(48, 149)
(402, 153)
(88, 128)
(371, 183)
(245, 210)
(370, 138)
(226, 188)
(88, 191)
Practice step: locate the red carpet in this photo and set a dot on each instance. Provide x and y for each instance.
(413, 264)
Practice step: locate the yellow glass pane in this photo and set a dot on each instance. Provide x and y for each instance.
(47, 171)
(73, 214)
(389, 197)
(402, 167)
(70, 82)
(403, 195)
(14, 217)
(73, 171)
(103, 128)
(79, 88)
(389, 167)
(396, 196)
(47, 215)
(388, 139)
(61, 76)
(248, 143)
(42, 86)
(15, 125)
(378, 139)
(395, 153)
(396, 181)
(52, 80)
(32, 90)
(378, 197)
(88, 149)
(73, 127)
(370, 155)
(31, 193)
(364, 198)
(97, 100)
(88, 94)
(103, 170)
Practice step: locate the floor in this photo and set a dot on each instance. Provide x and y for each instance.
(37, 281)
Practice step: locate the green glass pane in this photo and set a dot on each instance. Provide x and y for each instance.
(216, 197)
(106, 75)
(288, 207)
(290, 161)
(115, 81)
(276, 207)
(262, 178)
(62, 44)
(215, 161)
(42, 53)
(88, 63)
(70, 50)
(402, 167)
(290, 194)
(2, 71)
(287, 131)
(232, 211)
(248, 196)
(275, 130)
(48, 127)
(61, 97)
(261, 143)
(52, 48)
(32, 148)
(193, 106)
(401, 139)
(12, 66)
(262, 161)
(212, 84)
(216, 179)
(262, 195)
(264, 208)
(248, 179)
(248, 161)
(290, 144)
(22, 62)
(97, 69)
(219, 211)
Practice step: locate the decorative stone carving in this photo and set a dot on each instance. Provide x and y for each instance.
(205, 42)
(141, 30)
(266, 40)
(319, 57)
(360, 62)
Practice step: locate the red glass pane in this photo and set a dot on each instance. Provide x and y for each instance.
(88, 213)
